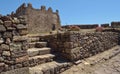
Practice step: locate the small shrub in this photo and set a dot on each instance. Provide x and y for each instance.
(74, 28)
(99, 29)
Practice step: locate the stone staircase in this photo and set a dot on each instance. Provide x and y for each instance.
(38, 52)
(41, 60)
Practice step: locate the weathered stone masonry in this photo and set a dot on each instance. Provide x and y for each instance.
(76, 45)
(13, 43)
(17, 58)
(39, 20)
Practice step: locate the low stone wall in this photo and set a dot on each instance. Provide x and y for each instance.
(76, 45)
(115, 24)
(105, 25)
(13, 43)
(85, 26)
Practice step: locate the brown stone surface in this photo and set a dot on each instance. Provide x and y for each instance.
(42, 20)
(6, 53)
(4, 47)
(2, 28)
(22, 59)
(17, 71)
(13, 51)
(19, 38)
(76, 45)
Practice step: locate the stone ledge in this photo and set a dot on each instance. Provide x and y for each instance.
(24, 70)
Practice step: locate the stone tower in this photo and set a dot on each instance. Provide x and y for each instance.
(39, 20)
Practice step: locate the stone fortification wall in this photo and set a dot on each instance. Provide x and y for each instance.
(76, 45)
(105, 25)
(39, 20)
(93, 26)
(85, 26)
(13, 43)
(115, 24)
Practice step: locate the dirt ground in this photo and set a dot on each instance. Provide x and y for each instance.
(107, 62)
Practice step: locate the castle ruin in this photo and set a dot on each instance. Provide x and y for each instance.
(53, 53)
(39, 20)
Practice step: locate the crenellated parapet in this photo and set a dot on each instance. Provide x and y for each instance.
(29, 5)
(21, 8)
(50, 9)
(24, 7)
(43, 8)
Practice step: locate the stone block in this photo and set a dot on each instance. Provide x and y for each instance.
(15, 33)
(9, 62)
(7, 35)
(41, 44)
(23, 32)
(7, 23)
(4, 47)
(2, 28)
(21, 26)
(10, 28)
(6, 53)
(8, 41)
(1, 59)
(22, 21)
(15, 45)
(1, 22)
(18, 66)
(1, 40)
(15, 20)
(22, 59)
(16, 54)
(19, 38)
(2, 67)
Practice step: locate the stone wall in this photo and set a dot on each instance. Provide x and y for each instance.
(92, 26)
(39, 20)
(85, 26)
(105, 25)
(76, 45)
(115, 24)
(13, 43)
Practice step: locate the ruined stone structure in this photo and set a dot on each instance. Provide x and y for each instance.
(21, 53)
(13, 44)
(77, 45)
(39, 20)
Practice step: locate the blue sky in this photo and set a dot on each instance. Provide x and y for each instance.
(73, 11)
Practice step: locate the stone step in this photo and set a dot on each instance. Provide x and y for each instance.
(31, 45)
(37, 44)
(38, 51)
(36, 60)
(41, 44)
(33, 39)
(50, 68)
